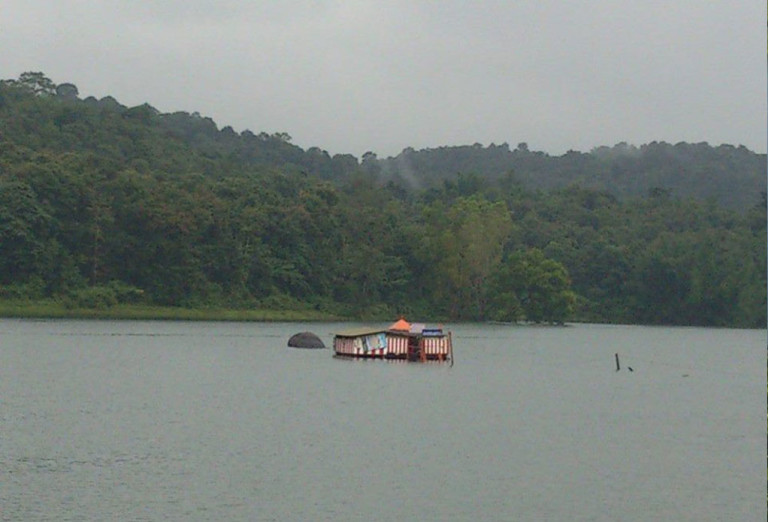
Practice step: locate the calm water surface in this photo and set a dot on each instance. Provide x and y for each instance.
(103, 420)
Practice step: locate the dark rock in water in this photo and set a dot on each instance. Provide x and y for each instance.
(305, 340)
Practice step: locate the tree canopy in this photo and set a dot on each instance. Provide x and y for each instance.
(102, 203)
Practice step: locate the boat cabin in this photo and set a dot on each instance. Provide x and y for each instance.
(402, 340)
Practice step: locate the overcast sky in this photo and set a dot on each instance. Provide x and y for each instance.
(356, 76)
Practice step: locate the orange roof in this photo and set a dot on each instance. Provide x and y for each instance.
(401, 324)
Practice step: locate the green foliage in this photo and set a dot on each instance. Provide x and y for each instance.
(732, 176)
(532, 287)
(103, 296)
(464, 245)
(30, 290)
(104, 207)
(35, 83)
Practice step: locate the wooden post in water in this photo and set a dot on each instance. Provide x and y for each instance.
(617, 363)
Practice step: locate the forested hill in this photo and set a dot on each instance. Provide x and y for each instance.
(40, 115)
(103, 204)
(732, 176)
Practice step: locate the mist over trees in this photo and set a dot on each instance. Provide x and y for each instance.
(102, 203)
(731, 176)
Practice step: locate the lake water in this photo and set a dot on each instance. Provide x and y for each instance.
(129, 421)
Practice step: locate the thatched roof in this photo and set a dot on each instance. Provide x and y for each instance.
(305, 340)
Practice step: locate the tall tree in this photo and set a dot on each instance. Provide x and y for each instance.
(466, 250)
(532, 287)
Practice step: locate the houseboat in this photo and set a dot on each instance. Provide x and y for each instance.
(400, 341)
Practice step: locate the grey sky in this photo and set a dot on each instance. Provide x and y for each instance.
(353, 76)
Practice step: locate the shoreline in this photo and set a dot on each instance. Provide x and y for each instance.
(53, 310)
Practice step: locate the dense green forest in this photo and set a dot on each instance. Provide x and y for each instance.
(732, 176)
(103, 204)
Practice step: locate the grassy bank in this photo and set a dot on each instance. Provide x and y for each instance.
(50, 309)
